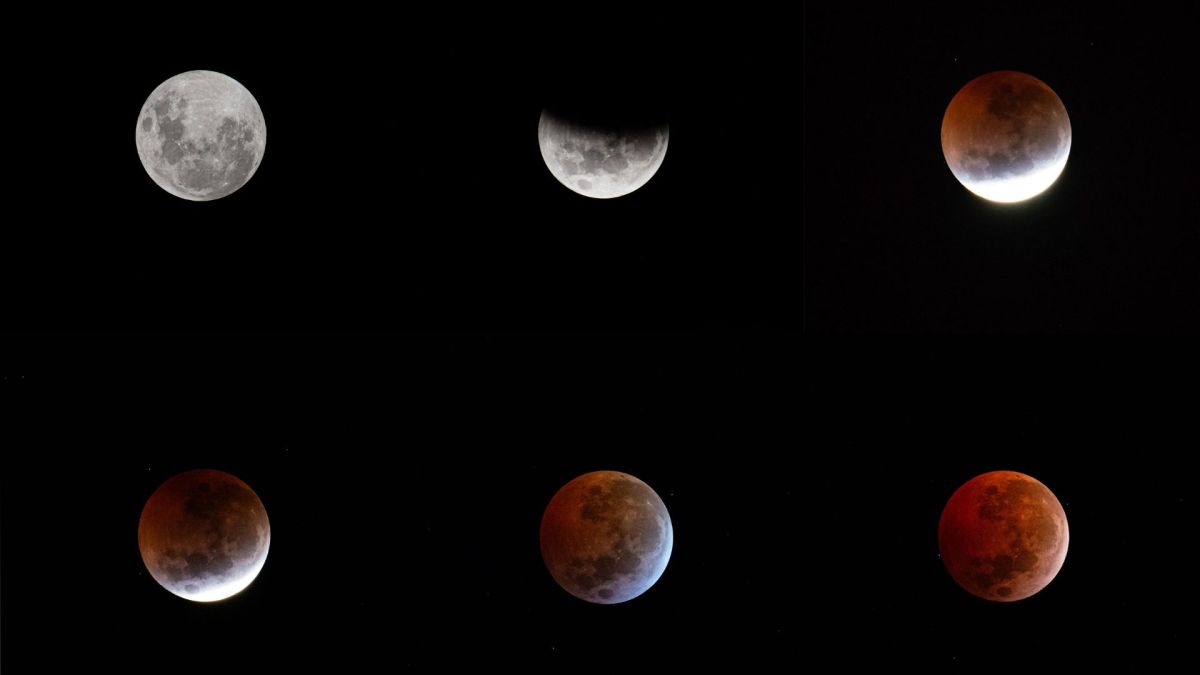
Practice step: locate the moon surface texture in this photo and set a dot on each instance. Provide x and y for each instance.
(601, 162)
(1006, 136)
(606, 537)
(204, 535)
(201, 135)
(1003, 536)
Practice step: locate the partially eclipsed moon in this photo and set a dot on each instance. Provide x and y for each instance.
(599, 162)
(204, 535)
(1006, 136)
(201, 135)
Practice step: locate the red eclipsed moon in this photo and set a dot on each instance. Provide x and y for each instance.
(1003, 536)
(204, 535)
(1006, 136)
(606, 537)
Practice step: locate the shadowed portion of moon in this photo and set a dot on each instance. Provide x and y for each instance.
(201, 135)
(204, 535)
(1003, 536)
(598, 160)
(606, 537)
(1006, 136)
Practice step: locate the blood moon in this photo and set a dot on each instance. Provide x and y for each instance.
(1003, 536)
(1006, 136)
(606, 537)
(204, 535)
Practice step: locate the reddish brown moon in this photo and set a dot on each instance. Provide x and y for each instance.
(606, 537)
(204, 535)
(1006, 136)
(1003, 536)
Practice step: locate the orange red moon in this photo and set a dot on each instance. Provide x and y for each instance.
(1003, 536)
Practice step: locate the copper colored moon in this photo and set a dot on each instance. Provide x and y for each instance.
(1006, 136)
(204, 535)
(606, 537)
(1003, 536)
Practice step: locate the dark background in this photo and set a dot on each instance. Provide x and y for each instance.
(405, 478)
(402, 186)
(405, 482)
(904, 426)
(893, 243)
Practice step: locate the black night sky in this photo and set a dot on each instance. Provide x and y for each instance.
(405, 485)
(899, 429)
(402, 187)
(405, 478)
(894, 244)
(804, 466)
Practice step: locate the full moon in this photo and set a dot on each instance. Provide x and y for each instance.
(204, 535)
(606, 537)
(201, 135)
(1003, 536)
(1006, 136)
(601, 162)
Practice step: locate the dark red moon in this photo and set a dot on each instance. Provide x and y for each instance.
(1003, 536)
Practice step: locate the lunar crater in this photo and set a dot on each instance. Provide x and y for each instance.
(204, 535)
(1006, 136)
(1003, 530)
(606, 537)
(598, 162)
(205, 137)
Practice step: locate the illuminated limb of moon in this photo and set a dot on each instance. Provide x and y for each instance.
(1006, 136)
(204, 535)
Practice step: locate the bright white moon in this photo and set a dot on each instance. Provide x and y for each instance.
(201, 135)
(1006, 136)
(601, 163)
